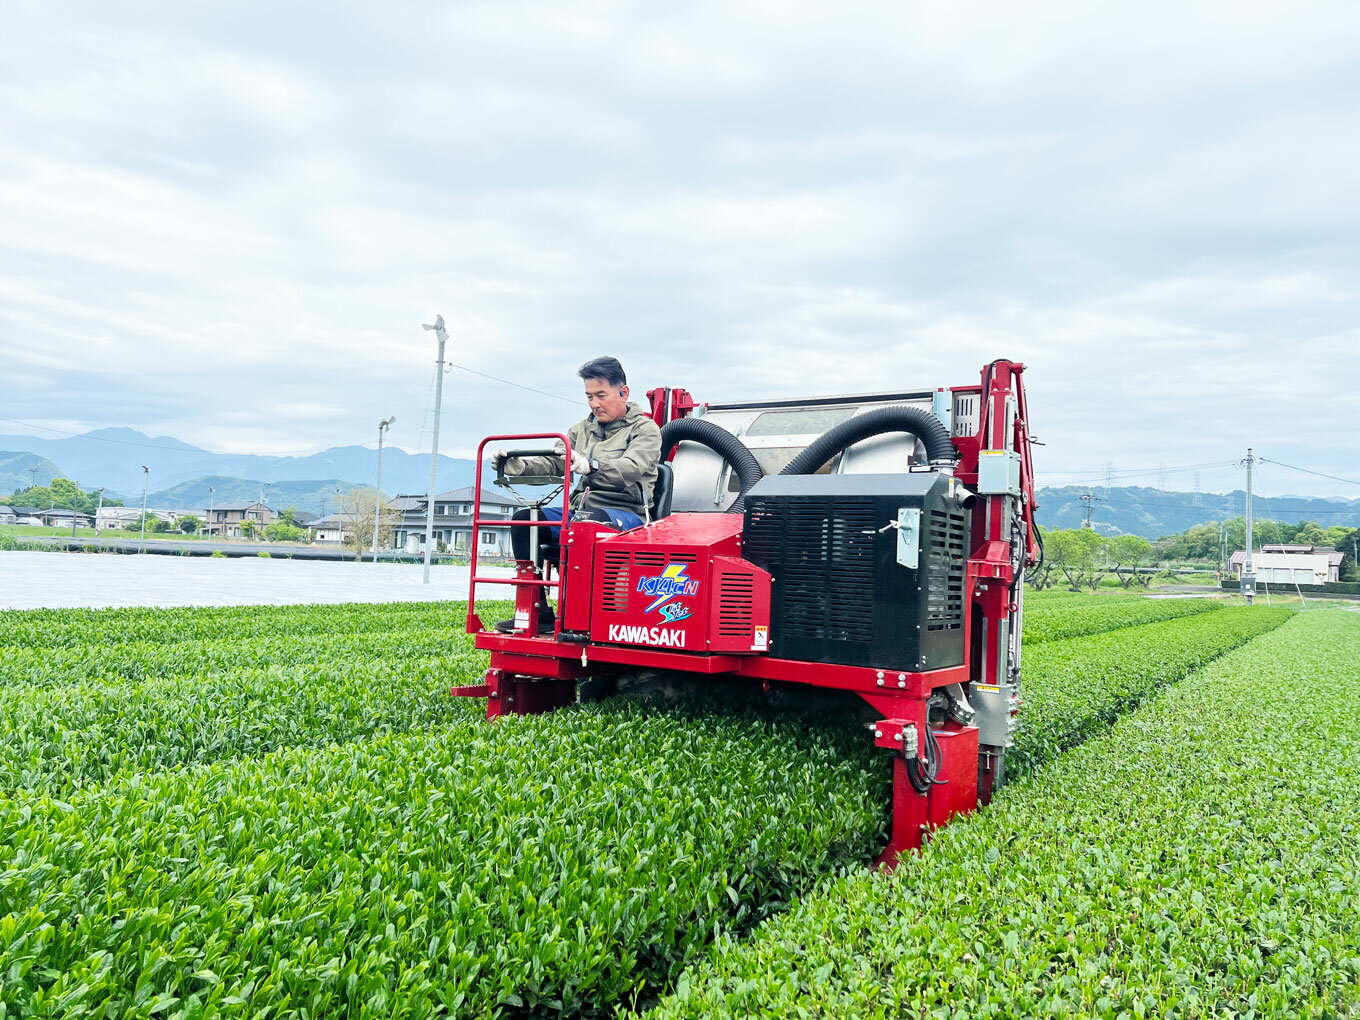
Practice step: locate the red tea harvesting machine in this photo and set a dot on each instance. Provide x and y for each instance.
(872, 545)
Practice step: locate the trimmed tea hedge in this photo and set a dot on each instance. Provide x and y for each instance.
(113, 661)
(64, 737)
(554, 864)
(542, 863)
(1201, 860)
(157, 703)
(1075, 688)
(1065, 620)
(64, 628)
(1330, 587)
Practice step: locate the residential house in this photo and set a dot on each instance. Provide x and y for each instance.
(117, 516)
(128, 516)
(333, 530)
(62, 518)
(1291, 564)
(225, 520)
(453, 521)
(7, 515)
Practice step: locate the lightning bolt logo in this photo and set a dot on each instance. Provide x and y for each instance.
(671, 582)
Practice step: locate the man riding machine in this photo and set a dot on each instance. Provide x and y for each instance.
(615, 451)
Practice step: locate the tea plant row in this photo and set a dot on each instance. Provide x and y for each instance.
(1200, 860)
(555, 863)
(64, 628)
(1065, 619)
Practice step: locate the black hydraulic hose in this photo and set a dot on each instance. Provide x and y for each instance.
(721, 442)
(922, 424)
(921, 772)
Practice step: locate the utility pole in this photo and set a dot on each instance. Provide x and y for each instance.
(212, 503)
(383, 426)
(1089, 499)
(1248, 570)
(98, 511)
(443, 336)
(146, 481)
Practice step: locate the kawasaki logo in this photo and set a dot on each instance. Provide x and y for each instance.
(647, 635)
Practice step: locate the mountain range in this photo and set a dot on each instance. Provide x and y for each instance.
(114, 458)
(181, 476)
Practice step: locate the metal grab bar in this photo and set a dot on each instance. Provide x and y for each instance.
(474, 622)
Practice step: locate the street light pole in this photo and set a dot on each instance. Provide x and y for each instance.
(146, 481)
(383, 426)
(443, 336)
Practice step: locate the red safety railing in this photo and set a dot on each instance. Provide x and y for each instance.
(474, 622)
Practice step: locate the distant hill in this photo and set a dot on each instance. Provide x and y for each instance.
(114, 457)
(15, 473)
(315, 496)
(1154, 514)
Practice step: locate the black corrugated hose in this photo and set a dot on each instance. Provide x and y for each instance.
(922, 424)
(721, 442)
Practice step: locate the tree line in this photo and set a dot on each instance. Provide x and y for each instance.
(1083, 558)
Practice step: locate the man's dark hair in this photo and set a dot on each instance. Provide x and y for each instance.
(605, 368)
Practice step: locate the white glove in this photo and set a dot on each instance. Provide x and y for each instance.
(580, 463)
(498, 460)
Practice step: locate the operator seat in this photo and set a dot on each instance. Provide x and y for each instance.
(662, 492)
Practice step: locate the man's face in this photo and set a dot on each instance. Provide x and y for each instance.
(607, 401)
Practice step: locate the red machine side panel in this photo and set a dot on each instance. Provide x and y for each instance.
(651, 596)
(739, 607)
(958, 776)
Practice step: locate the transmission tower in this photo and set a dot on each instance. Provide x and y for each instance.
(1109, 478)
(1161, 476)
(1199, 493)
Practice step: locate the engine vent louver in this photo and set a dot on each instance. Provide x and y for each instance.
(946, 536)
(824, 552)
(736, 605)
(845, 587)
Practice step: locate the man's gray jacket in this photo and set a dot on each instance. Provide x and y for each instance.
(628, 450)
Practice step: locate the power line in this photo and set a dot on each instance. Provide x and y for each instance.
(1279, 463)
(1105, 477)
(493, 378)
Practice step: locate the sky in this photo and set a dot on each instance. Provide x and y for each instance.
(226, 222)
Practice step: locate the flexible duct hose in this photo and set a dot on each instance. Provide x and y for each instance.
(922, 424)
(721, 442)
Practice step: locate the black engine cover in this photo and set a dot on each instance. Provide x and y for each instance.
(840, 594)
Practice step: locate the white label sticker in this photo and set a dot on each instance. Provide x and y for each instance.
(521, 619)
(761, 639)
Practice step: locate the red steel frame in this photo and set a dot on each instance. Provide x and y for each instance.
(525, 582)
(532, 674)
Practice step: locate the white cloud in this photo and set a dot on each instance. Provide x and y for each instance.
(228, 226)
